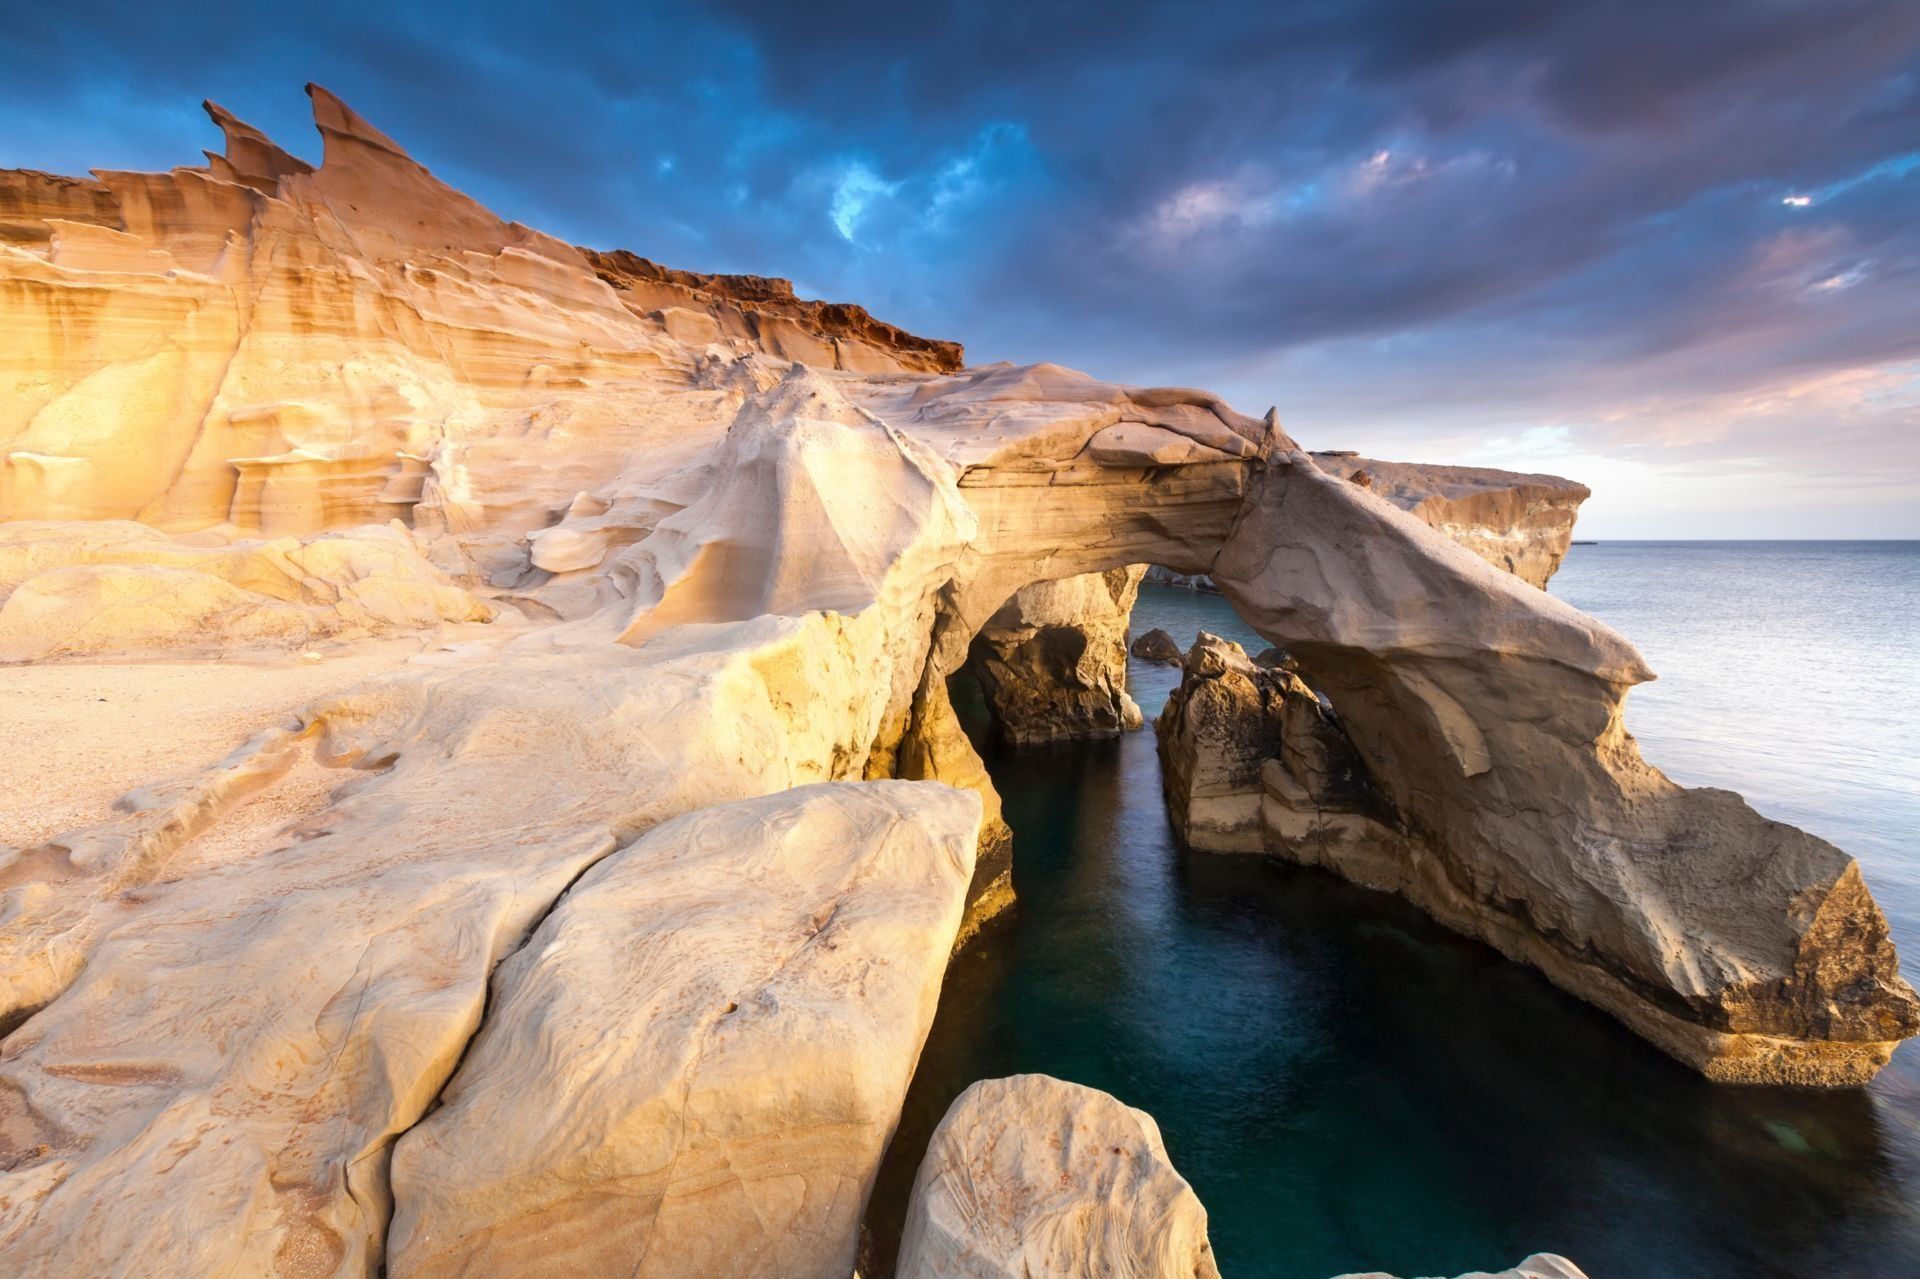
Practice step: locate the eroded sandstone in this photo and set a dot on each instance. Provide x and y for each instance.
(1031, 1177)
(709, 1095)
(739, 573)
(1521, 523)
(71, 589)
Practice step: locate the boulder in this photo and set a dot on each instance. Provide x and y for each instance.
(1031, 1177)
(1217, 729)
(714, 1098)
(1157, 646)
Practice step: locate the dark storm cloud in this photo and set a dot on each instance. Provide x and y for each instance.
(1408, 208)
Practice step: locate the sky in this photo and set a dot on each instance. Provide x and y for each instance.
(1670, 249)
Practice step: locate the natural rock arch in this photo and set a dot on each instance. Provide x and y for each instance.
(1491, 715)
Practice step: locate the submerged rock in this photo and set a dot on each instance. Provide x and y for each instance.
(1031, 1177)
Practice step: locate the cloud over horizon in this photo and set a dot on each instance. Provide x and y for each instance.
(1670, 250)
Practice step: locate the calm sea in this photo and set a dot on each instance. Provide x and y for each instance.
(1350, 1087)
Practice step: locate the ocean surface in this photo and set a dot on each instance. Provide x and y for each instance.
(1350, 1087)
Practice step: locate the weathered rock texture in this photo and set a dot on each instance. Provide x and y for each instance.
(1521, 523)
(730, 574)
(72, 589)
(1490, 716)
(288, 348)
(1252, 760)
(764, 311)
(706, 1088)
(1053, 660)
(1031, 1177)
(1156, 646)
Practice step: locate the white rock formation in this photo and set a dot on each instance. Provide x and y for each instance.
(1052, 662)
(1032, 1177)
(112, 586)
(708, 1089)
(738, 575)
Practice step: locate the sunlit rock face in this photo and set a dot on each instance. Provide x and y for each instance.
(706, 1088)
(645, 571)
(283, 348)
(1521, 523)
(765, 313)
(1032, 1175)
(70, 589)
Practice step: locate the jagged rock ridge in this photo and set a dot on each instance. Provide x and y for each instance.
(753, 307)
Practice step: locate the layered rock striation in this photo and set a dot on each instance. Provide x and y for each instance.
(765, 312)
(717, 573)
(1521, 523)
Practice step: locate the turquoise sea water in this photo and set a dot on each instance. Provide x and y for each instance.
(1350, 1087)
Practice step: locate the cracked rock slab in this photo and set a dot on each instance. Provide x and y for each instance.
(695, 1064)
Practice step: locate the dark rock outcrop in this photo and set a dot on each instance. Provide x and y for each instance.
(1157, 646)
(1053, 661)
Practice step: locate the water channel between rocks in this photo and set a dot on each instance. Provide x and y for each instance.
(1347, 1085)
